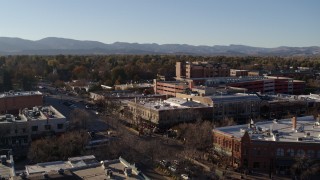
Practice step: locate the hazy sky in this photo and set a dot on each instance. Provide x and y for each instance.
(264, 23)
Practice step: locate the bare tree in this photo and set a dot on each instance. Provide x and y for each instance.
(79, 119)
(57, 148)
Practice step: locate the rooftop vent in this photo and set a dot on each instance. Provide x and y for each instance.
(61, 171)
(45, 175)
(23, 175)
(301, 128)
(276, 137)
(242, 130)
(3, 159)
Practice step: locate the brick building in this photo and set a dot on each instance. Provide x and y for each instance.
(272, 85)
(170, 88)
(201, 70)
(12, 102)
(269, 146)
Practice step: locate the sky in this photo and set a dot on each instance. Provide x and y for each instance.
(262, 23)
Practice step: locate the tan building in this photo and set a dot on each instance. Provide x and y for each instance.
(19, 130)
(12, 102)
(170, 88)
(201, 70)
(168, 112)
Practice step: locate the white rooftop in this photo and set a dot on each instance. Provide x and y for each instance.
(23, 93)
(87, 167)
(171, 103)
(307, 130)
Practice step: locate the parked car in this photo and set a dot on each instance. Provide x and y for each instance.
(173, 168)
(165, 163)
(184, 176)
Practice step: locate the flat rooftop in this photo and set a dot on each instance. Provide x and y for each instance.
(307, 130)
(9, 118)
(233, 97)
(23, 93)
(171, 103)
(74, 162)
(47, 167)
(42, 113)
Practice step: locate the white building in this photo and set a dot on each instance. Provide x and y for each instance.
(18, 130)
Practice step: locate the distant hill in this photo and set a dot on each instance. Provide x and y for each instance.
(54, 46)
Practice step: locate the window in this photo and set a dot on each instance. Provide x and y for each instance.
(47, 127)
(300, 153)
(280, 152)
(310, 153)
(318, 154)
(290, 152)
(256, 164)
(34, 128)
(24, 130)
(59, 126)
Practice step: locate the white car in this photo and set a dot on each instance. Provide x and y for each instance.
(184, 176)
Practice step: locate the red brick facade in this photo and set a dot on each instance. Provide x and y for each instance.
(264, 156)
(12, 103)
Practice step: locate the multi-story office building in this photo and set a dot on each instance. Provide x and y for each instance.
(170, 88)
(201, 70)
(269, 146)
(19, 130)
(272, 85)
(12, 102)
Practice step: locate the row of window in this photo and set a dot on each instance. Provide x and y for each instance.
(46, 127)
(298, 153)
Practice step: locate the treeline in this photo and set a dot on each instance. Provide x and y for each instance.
(23, 72)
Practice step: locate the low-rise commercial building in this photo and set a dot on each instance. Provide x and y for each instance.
(18, 130)
(168, 112)
(269, 146)
(239, 106)
(83, 167)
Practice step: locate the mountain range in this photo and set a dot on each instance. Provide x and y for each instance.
(54, 46)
